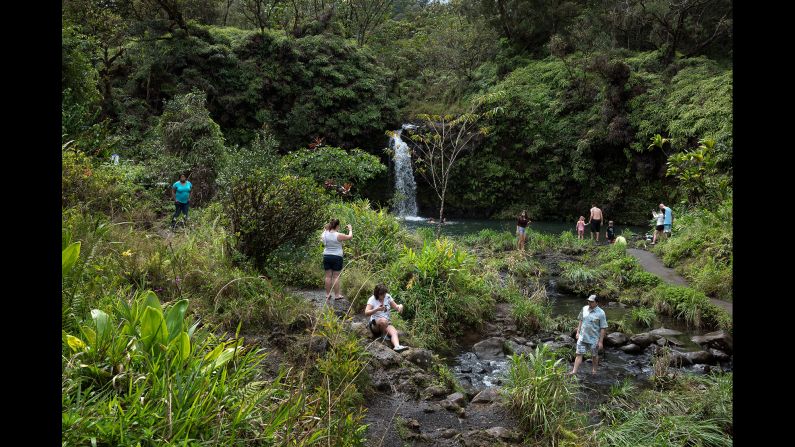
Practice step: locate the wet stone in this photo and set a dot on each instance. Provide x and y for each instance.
(631, 349)
(490, 348)
(664, 332)
(719, 355)
(486, 396)
(458, 399)
(616, 339)
(643, 339)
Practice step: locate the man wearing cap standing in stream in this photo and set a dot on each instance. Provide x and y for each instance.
(590, 332)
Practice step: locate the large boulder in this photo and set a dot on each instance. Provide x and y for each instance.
(663, 332)
(719, 355)
(486, 396)
(643, 339)
(458, 398)
(699, 357)
(566, 340)
(385, 357)
(360, 329)
(631, 348)
(718, 340)
(515, 348)
(420, 357)
(490, 348)
(616, 339)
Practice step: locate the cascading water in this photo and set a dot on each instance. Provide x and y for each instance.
(405, 186)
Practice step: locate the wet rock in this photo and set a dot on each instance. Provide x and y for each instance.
(486, 396)
(520, 340)
(382, 385)
(718, 340)
(662, 341)
(420, 357)
(643, 339)
(385, 357)
(515, 348)
(446, 433)
(699, 357)
(505, 434)
(490, 348)
(413, 424)
(318, 344)
(653, 349)
(616, 339)
(555, 345)
(465, 369)
(531, 344)
(360, 329)
(719, 355)
(435, 391)
(678, 359)
(449, 406)
(565, 339)
(631, 348)
(458, 399)
(701, 368)
(664, 332)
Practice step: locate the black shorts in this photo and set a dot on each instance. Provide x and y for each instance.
(596, 225)
(332, 262)
(659, 227)
(373, 330)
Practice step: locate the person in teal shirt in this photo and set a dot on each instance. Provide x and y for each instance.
(668, 220)
(590, 333)
(180, 192)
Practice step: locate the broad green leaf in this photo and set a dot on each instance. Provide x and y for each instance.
(153, 327)
(69, 256)
(90, 335)
(102, 323)
(151, 300)
(224, 358)
(175, 318)
(181, 345)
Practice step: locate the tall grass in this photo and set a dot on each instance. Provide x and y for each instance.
(541, 395)
(694, 411)
(643, 316)
(688, 304)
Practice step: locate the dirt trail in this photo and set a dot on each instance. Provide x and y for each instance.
(652, 264)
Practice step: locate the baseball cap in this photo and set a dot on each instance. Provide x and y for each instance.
(592, 298)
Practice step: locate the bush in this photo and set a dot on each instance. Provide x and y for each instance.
(643, 316)
(541, 395)
(688, 304)
(194, 140)
(491, 240)
(377, 236)
(148, 360)
(266, 212)
(334, 163)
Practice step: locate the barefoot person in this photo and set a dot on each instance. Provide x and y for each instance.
(595, 220)
(668, 220)
(521, 228)
(581, 228)
(590, 333)
(332, 256)
(378, 307)
(658, 229)
(180, 193)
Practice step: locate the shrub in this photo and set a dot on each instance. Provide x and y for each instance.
(541, 395)
(377, 236)
(266, 212)
(643, 316)
(190, 136)
(335, 164)
(491, 240)
(148, 360)
(688, 304)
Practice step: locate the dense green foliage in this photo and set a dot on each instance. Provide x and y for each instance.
(702, 249)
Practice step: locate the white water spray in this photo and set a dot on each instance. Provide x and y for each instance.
(405, 185)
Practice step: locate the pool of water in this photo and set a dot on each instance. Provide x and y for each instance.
(463, 227)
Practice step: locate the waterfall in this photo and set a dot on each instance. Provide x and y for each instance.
(404, 177)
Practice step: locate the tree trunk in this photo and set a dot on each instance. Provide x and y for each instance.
(441, 216)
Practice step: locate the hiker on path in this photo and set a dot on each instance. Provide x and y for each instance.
(595, 220)
(667, 220)
(658, 229)
(378, 307)
(180, 193)
(332, 256)
(521, 228)
(590, 333)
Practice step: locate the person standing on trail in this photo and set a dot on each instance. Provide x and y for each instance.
(521, 228)
(610, 234)
(660, 217)
(595, 220)
(180, 193)
(667, 220)
(332, 256)
(378, 306)
(590, 333)
(581, 227)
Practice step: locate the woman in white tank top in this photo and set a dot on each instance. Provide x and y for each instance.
(332, 256)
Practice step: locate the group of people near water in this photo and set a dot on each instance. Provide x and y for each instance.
(592, 324)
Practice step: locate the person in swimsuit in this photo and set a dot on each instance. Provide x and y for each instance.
(581, 228)
(521, 228)
(595, 220)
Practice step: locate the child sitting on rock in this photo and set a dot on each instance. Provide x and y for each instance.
(378, 307)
